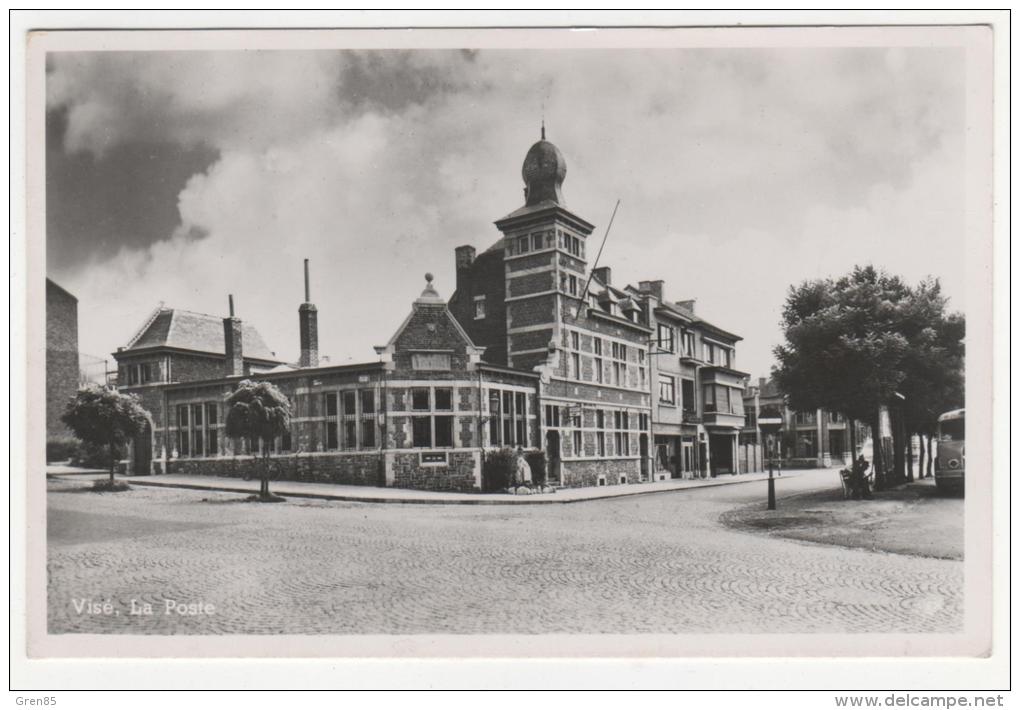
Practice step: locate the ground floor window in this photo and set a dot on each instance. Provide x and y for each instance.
(432, 432)
(350, 419)
(508, 418)
(198, 428)
(807, 445)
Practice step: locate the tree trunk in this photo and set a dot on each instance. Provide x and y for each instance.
(920, 456)
(113, 460)
(876, 454)
(910, 457)
(853, 441)
(264, 487)
(931, 458)
(896, 429)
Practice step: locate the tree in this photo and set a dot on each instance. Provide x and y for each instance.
(258, 412)
(100, 415)
(844, 349)
(934, 363)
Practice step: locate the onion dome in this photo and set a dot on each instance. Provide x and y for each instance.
(543, 172)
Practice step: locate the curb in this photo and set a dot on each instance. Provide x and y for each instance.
(515, 500)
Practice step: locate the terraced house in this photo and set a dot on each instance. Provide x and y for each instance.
(697, 391)
(535, 350)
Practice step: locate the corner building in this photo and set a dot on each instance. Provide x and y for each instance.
(528, 301)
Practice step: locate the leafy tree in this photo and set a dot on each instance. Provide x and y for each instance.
(258, 412)
(100, 415)
(844, 349)
(933, 365)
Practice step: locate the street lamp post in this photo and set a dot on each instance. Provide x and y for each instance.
(771, 426)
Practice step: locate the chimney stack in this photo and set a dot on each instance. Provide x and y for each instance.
(604, 274)
(465, 257)
(308, 319)
(689, 305)
(233, 344)
(651, 287)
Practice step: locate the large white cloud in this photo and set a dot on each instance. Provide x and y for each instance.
(739, 172)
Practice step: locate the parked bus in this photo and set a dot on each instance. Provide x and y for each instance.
(950, 454)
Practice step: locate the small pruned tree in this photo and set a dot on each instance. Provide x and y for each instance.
(100, 415)
(258, 412)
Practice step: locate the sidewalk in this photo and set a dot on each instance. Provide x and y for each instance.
(368, 494)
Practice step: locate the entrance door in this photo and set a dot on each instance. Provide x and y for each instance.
(143, 451)
(722, 454)
(702, 464)
(552, 455)
(643, 445)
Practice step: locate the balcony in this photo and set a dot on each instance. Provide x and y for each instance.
(691, 416)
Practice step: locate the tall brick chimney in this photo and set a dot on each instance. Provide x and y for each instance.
(651, 287)
(465, 257)
(308, 317)
(689, 305)
(233, 343)
(604, 274)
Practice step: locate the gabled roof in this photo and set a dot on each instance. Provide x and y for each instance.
(199, 332)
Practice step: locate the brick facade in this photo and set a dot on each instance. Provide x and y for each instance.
(61, 356)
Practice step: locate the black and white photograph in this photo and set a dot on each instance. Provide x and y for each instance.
(527, 342)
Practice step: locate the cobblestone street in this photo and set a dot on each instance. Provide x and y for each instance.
(646, 564)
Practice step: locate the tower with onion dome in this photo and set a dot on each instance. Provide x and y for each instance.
(521, 300)
(544, 246)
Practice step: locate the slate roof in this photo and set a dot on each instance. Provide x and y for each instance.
(689, 315)
(200, 332)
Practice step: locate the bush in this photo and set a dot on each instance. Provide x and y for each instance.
(536, 459)
(61, 449)
(497, 470)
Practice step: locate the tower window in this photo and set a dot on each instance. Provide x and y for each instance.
(522, 245)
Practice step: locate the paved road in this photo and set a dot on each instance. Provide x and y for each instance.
(648, 564)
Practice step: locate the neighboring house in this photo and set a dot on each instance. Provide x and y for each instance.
(698, 408)
(61, 357)
(808, 439)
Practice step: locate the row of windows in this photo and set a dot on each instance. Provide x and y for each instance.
(810, 418)
(546, 240)
(723, 399)
(141, 373)
(667, 340)
(618, 372)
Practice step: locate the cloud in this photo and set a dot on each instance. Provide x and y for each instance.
(739, 171)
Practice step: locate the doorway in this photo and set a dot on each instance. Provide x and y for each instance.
(552, 454)
(143, 451)
(643, 447)
(721, 451)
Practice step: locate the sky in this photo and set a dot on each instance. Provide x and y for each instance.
(182, 177)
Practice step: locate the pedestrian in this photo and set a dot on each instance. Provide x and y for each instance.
(861, 489)
(523, 469)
